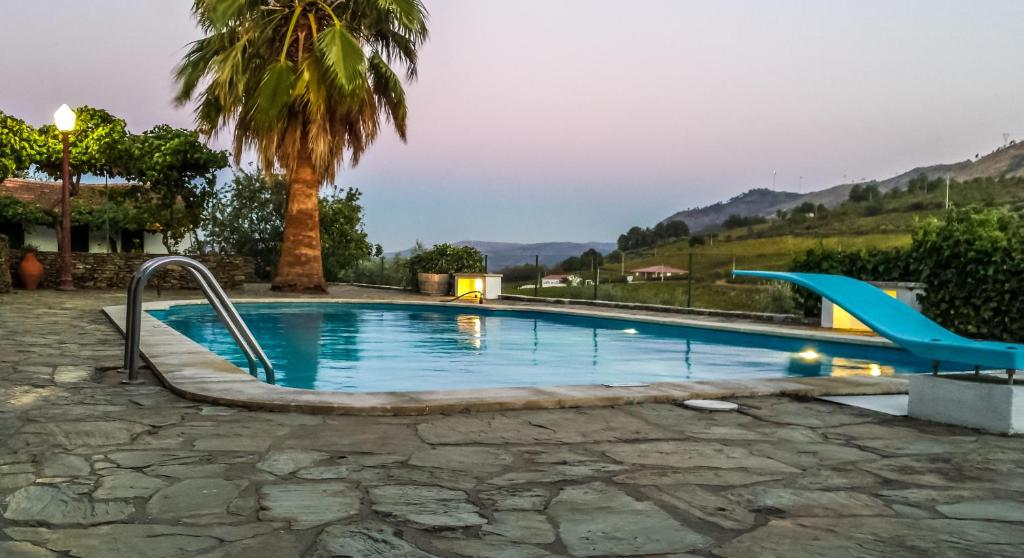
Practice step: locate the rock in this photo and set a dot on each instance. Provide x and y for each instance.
(877, 537)
(272, 545)
(472, 548)
(24, 550)
(357, 435)
(519, 526)
(684, 454)
(374, 476)
(814, 414)
(59, 505)
(516, 499)
(127, 485)
(809, 502)
(597, 520)
(704, 505)
(554, 426)
(72, 435)
(285, 462)
(64, 465)
(324, 472)
(426, 507)
(9, 482)
(364, 541)
(714, 477)
(72, 374)
(141, 459)
(468, 459)
(997, 510)
(196, 501)
(190, 471)
(556, 473)
(809, 455)
(137, 541)
(309, 504)
(835, 479)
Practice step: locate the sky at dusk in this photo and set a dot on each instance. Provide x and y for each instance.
(539, 120)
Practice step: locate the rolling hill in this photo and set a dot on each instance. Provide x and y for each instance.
(1003, 162)
(505, 254)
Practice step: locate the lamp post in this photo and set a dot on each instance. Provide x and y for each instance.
(64, 119)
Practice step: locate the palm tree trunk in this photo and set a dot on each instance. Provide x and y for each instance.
(301, 266)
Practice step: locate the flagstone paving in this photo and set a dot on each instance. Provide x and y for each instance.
(94, 469)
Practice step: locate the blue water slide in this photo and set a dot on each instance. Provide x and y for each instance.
(900, 323)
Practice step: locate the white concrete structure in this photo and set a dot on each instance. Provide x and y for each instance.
(989, 403)
(834, 317)
(45, 238)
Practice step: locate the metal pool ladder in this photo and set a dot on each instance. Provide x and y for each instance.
(214, 294)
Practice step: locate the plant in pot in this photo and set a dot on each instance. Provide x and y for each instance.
(30, 271)
(432, 269)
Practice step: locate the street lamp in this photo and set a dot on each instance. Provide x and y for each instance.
(64, 119)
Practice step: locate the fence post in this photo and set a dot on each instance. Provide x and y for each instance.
(689, 282)
(381, 281)
(597, 281)
(536, 284)
(485, 263)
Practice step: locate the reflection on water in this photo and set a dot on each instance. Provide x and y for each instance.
(471, 329)
(373, 347)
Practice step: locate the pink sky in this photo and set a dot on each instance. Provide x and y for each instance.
(574, 119)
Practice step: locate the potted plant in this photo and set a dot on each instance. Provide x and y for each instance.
(30, 271)
(432, 269)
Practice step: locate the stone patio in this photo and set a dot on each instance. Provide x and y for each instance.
(93, 469)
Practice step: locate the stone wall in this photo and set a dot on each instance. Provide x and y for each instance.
(5, 266)
(114, 271)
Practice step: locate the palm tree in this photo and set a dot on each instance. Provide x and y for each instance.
(306, 82)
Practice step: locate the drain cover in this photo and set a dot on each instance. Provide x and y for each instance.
(710, 405)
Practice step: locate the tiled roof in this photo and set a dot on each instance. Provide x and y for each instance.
(47, 194)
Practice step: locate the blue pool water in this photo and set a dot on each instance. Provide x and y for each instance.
(388, 347)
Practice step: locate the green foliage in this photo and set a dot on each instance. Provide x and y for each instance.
(589, 259)
(247, 217)
(637, 237)
(178, 176)
(973, 265)
(866, 264)
(345, 242)
(739, 221)
(445, 258)
(98, 146)
(19, 146)
(302, 79)
(13, 210)
(864, 192)
(525, 273)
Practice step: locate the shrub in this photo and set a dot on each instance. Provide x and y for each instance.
(445, 258)
(972, 263)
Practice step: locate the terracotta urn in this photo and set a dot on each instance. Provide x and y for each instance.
(30, 271)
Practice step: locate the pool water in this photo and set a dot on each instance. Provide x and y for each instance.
(408, 347)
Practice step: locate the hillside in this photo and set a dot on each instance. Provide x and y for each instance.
(1003, 162)
(753, 202)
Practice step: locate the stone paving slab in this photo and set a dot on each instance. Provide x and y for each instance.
(93, 469)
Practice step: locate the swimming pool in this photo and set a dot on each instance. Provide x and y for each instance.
(356, 347)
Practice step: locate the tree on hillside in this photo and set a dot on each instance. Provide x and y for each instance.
(305, 82)
(179, 174)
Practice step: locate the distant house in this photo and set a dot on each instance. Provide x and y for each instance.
(559, 280)
(657, 272)
(84, 238)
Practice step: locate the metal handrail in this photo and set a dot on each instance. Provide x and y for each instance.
(217, 298)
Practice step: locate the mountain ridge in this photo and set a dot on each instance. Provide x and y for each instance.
(1005, 161)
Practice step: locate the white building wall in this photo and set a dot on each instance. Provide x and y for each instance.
(42, 237)
(98, 241)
